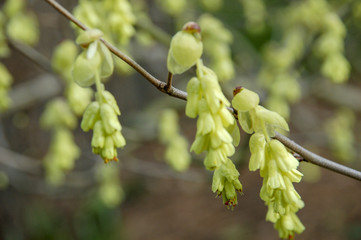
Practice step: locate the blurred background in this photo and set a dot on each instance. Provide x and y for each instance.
(302, 57)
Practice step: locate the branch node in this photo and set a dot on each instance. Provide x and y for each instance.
(169, 82)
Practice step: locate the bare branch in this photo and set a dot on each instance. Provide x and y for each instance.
(31, 54)
(160, 85)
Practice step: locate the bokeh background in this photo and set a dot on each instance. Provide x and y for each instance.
(149, 200)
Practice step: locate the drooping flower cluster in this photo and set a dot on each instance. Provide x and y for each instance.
(277, 166)
(22, 24)
(217, 39)
(206, 100)
(309, 24)
(63, 150)
(110, 191)
(101, 116)
(19, 24)
(177, 154)
(255, 14)
(340, 130)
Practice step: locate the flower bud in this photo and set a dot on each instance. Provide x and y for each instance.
(90, 116)
(85, 70)
(107, 66)
(257, 144)
(109, 119)
(98, 139)
(218, 181)
(118, 139)
(234, 131)
(193, 98)
(246, 122)
(285, 161)
(205, 124)
(24, 28)
(64, 57)
(185, 49)
(88, 36)
(109, 99)
(58, 114)
(78, 97)
(200, 144)
(108, 152)
(214, 159)
(272, 120)
(230, 192)
(244, 100)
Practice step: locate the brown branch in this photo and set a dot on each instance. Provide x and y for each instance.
(174, 92)
(31, 54)
(169, 82)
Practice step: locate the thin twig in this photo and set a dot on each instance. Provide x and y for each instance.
(307, 155)
(31, 54)
(169, 81)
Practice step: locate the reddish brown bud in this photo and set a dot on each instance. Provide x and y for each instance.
(237, 90)
(192, 27)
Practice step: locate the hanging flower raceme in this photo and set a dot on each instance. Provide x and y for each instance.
(63, 150)
(177, 154)
(22, 24)
(101, 116)
(215, 126)
(217, 40)
(277, 166)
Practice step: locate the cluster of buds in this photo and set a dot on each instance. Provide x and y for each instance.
(177, 154)
(110, 191)
(255, 15)
(101, 116)
(206, 100)
(217, 40)
(22, 25)
(63, 150)
(340, 130)
(330, 47)
(277, 166)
